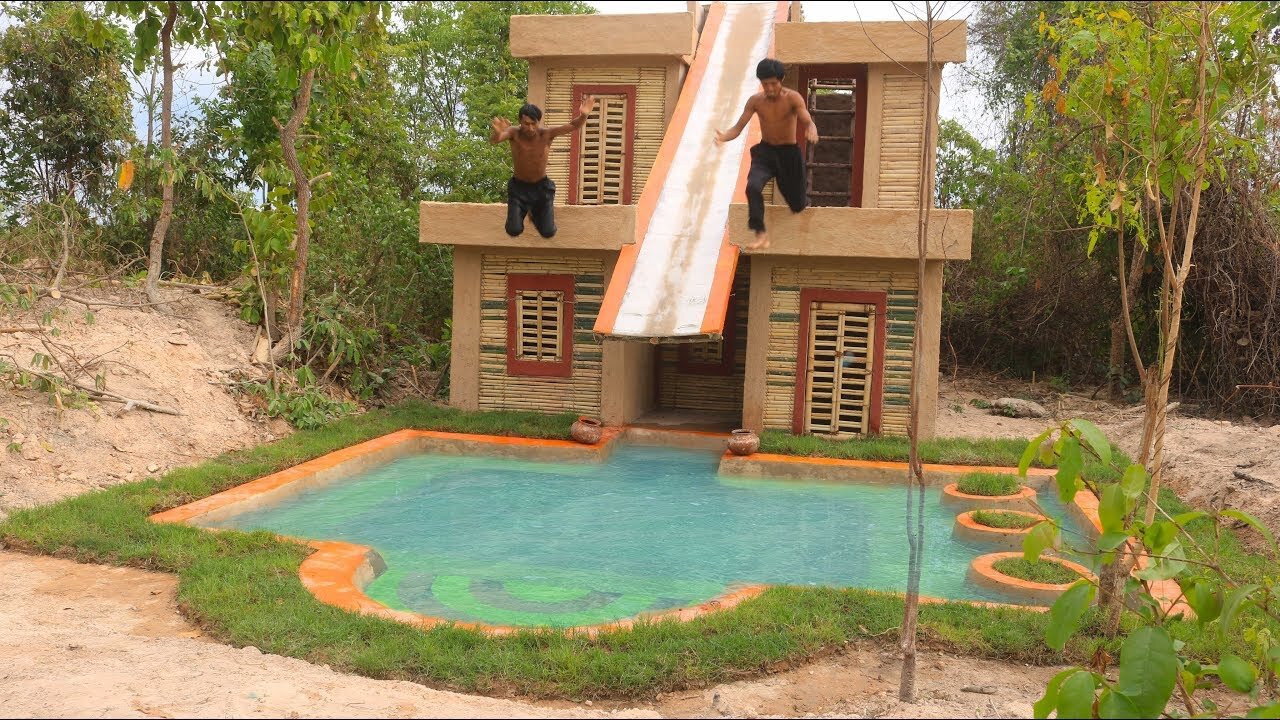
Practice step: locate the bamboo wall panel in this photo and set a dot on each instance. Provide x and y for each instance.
(721, 394)
(901, 141)
(784, 336)
(579, 393)
(651, 111)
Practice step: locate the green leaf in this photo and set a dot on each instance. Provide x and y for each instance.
(1033, 447)
(1041, 537)
(1049, 700)
(1251, 522)
(1075, 698)
(1148, 670)
(1064, 616)
(1159, 535)
(1189, 517)
(1069, 466)
(1113, 704)
(1165, 567)
(1112, 540)
(1112, 509)
(1094, 437)
(1204, 599)
(1236, 673)
(1235, 601)
(1134, 481)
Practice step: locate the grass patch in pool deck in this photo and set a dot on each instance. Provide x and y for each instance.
(988, 484)
(1002, 452)
(1003, 519)
(1041, 571)
(243, 589)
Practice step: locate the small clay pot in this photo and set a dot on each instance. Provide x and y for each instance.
(743, 442)
(586, 431)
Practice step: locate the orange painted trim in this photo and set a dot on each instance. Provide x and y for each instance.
(969, 529)
(626, 263)
(983, 571)
(304, 470)
(1025, 496)
(329, 574)
(727, 263)
(893, 465)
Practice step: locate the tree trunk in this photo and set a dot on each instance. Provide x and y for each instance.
(151, 112)
(1119, 334)
(1115, 364)
(166, 142)
(302, 239)
(915, 471)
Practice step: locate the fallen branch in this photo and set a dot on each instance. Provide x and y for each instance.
(129, 403)
(4, 330)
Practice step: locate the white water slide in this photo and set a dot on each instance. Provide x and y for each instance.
(674, 282)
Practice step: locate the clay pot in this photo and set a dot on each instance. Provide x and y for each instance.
(586, 431)
(743, 442)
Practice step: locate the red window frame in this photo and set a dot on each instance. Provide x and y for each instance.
(857, 155)
(728, 353)
(540, 368)
(808, 296)
(580, 92)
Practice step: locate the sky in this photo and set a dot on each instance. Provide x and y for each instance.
(959, 101)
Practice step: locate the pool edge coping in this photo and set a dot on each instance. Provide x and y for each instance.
(332, 574)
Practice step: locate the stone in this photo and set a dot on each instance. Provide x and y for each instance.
(1020, 408)
(152, 468)
(980, 689)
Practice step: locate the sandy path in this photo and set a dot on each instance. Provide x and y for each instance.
(92, 641)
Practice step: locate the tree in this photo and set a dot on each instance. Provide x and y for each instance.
(158, 23)
(1153, 90)
(309, 40)
(453, 65)
(64, 116)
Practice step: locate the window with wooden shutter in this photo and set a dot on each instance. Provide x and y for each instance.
(540, 325)
(600, 170)
(840, 362)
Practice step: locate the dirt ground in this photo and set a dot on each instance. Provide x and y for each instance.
(86, 640)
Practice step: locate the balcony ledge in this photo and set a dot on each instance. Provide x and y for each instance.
(815, 232)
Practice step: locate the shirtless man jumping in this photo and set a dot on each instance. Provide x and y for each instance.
(777, 155)
(530, 191)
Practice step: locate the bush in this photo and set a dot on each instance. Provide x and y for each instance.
(988, 484)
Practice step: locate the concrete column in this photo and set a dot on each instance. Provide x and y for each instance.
(759, 301)
(464, 362)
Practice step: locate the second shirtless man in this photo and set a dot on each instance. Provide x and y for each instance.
(530, 191)
(777, 155)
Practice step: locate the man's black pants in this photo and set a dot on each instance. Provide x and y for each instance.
(536, 199)
(784, 162)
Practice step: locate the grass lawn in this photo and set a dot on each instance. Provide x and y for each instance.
(1003, 520)
(243, 588)
(988, 484)
(1041, 571)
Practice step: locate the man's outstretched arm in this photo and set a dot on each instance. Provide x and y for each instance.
(733, 132)
(583, 111)
(500, 130)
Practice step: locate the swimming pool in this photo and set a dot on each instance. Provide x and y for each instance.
(526, 543)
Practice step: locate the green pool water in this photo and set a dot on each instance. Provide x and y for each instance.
(559, 544)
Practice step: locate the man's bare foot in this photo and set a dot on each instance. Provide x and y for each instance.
(762, 241)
